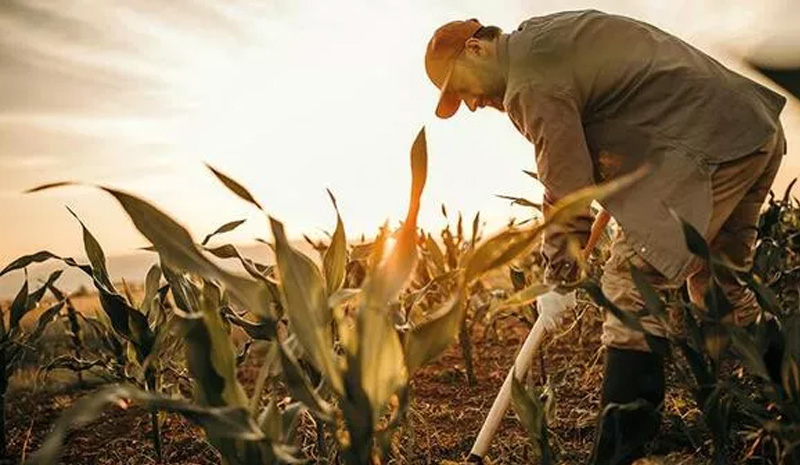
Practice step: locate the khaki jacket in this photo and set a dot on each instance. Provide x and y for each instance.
(600, 95)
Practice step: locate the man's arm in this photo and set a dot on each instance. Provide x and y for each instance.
(552, 122)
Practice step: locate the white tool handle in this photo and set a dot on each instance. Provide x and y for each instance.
(551, 306)
(500, 405)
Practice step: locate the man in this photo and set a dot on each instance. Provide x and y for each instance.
(600, 95)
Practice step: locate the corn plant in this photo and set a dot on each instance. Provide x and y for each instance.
(436, 278)
(769, 351)
(128, 332)
(338, 350)
(15, 341)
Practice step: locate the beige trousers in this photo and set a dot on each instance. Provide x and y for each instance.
(739, 189)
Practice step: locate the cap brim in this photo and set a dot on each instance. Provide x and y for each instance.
(448, 105)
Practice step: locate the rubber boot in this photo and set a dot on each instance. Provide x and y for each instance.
(633, 394)
(775, 346)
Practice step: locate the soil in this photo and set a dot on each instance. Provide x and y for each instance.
(444, 418)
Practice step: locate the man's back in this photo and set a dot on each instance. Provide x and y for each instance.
(634, 78)
(600, 95)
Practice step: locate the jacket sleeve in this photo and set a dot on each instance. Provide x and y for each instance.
(551, 120)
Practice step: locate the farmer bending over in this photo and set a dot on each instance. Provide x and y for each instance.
(600, 95)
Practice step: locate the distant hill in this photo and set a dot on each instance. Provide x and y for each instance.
(131, 267)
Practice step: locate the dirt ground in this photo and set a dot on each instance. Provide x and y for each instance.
(445, 417)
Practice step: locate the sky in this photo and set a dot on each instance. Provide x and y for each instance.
(289, 97)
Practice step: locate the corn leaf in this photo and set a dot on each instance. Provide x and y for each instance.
(234, 186)
(380, 357)
(151, 286)
(176, 247)
(652, 302)
(306, 305)
(521, 202)
(500, 250)
(335, 259)
(579, 201)
(532, 413)
(95, 254)
(27, 260)
(227, 227)
(19, 305)
(48, 316)
(224, 422)
(694, 240)
(300, 387)
(429, 339)
(748, 351)
(525, 296)
(210, 357)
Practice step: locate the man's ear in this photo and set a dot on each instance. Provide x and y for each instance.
(476, 47)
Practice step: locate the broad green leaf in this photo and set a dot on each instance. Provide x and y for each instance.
(652, 302)
(335, 259)
(358, 415)
(210, 356)
(694, 240)
(532, 414)
(524, 296)
(380, 353)
(716, 339)
(300, 387)
(48, 316)
(521, 201)
(500, 250)
(264, 331)
(269, 420)
(419, 174)
(429, 339)
(227, 227)
(95, 254)
(475, 227)
(230, 251)
(176, 247)
(532, 174)
(225, 422)
(151, 286)
(234, 186)
(627, 318)
(766, 297)
(343, 296)
(380, 359)
(306, 305)
(579, 201)
(26, 260)
(394, 271)
(185, 293)
(748, 351)
(19, 306)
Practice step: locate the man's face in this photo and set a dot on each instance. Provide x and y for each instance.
(475, 80)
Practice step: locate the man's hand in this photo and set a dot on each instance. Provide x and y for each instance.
(552, 307)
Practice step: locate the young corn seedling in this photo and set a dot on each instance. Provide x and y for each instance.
(130, 334)
(15, 341)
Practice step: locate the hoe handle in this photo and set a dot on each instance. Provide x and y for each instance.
(523, 361)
